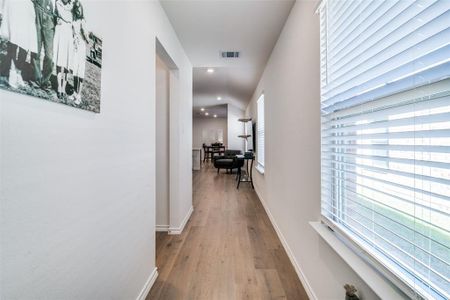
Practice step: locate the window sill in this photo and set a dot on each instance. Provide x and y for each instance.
(377, 282)
(260, 169)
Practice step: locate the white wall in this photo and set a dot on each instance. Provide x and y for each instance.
(78, 188)
(162, 144)
(180, 147)
(290, 186)
(235, 128)
(202, 124)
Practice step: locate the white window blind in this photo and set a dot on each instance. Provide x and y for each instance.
(260, 133)
(385, 105)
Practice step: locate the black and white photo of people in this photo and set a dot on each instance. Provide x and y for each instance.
(47, 51)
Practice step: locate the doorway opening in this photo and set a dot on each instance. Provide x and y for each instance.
(166, 91)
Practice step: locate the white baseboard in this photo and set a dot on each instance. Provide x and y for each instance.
(179, 230)
(148, 285)
(162, 228)
(288, 250)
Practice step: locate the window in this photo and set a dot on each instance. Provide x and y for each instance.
(260, 134)
(385, 162)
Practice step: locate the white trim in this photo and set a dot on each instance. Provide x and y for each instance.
(259, 168)
(261, 131)
(382, 287)
(179, 230)
(289, 252)
(319, 5)
(148, 285)
(162, 228)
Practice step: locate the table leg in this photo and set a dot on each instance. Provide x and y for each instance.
(251, 174)
(239, 179)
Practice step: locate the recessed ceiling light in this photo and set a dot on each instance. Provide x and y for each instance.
(219, 98)
(202, 109)
(210, 70)
(206, 114)
(215, 116)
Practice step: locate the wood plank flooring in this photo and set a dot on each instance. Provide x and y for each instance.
(228, 250)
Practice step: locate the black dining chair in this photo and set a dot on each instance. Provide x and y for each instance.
(206, 152)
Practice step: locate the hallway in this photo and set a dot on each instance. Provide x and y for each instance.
(228, 250)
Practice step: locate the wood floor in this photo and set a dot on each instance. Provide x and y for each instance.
(228, 250)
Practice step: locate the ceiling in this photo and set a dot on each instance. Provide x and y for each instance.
(207, 27)
(219, 110)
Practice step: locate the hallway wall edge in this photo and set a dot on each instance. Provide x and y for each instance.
(179, 230)
(301, 275)
(148, 285)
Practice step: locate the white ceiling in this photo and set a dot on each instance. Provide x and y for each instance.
(221, 111)
(207, 27)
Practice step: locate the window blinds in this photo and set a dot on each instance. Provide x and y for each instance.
(260, 133)
(385, 102)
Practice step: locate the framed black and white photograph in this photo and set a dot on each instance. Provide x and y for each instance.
(47, 51)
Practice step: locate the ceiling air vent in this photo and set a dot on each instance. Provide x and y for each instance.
(230, 54)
